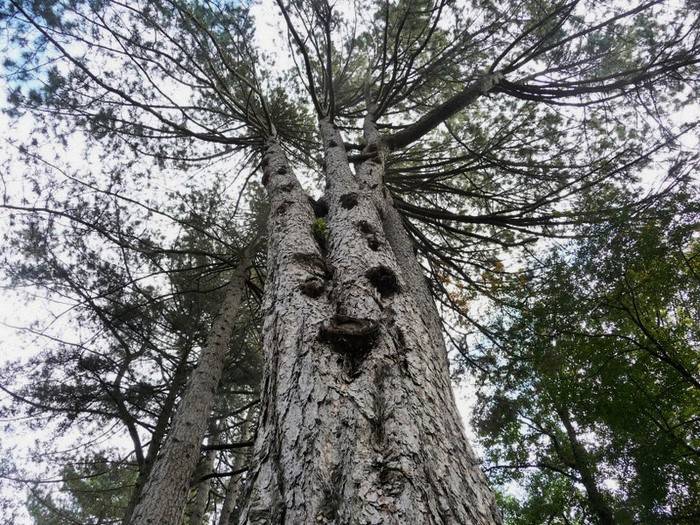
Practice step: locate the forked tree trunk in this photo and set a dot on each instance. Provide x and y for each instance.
(165, 493)
(358, 421)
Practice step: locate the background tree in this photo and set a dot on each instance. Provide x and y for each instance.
(592, 391)
(140, 308)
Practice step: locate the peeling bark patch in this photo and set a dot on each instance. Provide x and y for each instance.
(392, 480)
(348, 201)
(390, 476)
(384, 280)
(312, 287)
(350, 334)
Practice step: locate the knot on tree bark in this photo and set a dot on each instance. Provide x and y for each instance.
(370, 235)
(283, 207)
(313, 287)
(350, 334)
(348, 200)
(384, 280)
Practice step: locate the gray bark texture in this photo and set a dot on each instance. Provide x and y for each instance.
(165, 493)
(178, 379)
(358, 421)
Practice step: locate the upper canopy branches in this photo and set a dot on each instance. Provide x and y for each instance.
(504, 120)
(416, 64)
(149, 72)
(174, 69)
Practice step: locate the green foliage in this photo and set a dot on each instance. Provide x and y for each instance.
(94, 493)
(606, 335)
(139, 292)
(320, 230)
(548, 499)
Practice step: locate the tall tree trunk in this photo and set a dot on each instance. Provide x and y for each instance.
(165, 492)
(179, 377)
(358, 422)
(233, 489)
(582, 464)
(198, 508)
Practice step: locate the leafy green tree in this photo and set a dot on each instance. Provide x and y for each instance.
(594, 385)
(95, 493)
(141, 304)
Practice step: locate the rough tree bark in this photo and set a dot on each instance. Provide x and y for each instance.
(358, 421)
(165, 493)
(179, 377)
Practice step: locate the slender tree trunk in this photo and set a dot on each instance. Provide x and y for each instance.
(358, 422)
(233, 488)
(179, 377)
(165, 492)
(198, 508)
(582, 464)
